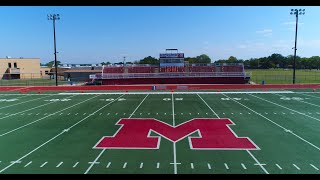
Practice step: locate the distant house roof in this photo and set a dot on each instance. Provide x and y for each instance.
(83, 70)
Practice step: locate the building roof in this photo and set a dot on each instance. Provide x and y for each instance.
(84, 70)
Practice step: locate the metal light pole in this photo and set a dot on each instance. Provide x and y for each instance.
(296, 12)
(54, 17)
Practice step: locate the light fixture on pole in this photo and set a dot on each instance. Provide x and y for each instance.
(54, 17)
(296, 12)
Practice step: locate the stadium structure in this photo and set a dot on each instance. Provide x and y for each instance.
(173, 69)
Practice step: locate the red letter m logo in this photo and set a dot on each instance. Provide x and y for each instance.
(213, 134)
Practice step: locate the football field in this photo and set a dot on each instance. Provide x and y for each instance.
(230, 132)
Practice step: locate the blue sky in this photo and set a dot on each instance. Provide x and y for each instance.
(92, 34)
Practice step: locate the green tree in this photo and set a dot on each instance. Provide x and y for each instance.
(149, 60)
(51, 64)
(203, 58)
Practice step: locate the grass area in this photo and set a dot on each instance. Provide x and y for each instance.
(31, 82)
(281, 76)
(54, 133)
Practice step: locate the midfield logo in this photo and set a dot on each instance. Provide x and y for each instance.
(213, 134)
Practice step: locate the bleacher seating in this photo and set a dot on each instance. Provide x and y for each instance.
(113, 70)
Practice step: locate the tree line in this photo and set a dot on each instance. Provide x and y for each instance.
(273, 61)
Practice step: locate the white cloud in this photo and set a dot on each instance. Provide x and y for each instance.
(292, 23)
(264, 31)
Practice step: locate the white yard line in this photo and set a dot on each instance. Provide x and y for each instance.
(286, 130)
(177, 92)
(286, 107)
(141, 165)
(89, 168)
(75, 165)
(314, 167)
(23, 102)
(296, 166)
(174, 143)
(219, 118)
(26, 110)
(59, 164)
(258, 163)
(43, 164)
(279, 166)
(8, 132)
(64, 131)
(226, 165)
(244, 167)
(108, 165)
(124, 165)
(27, 164)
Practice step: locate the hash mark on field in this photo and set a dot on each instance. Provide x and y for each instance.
(232, 113)
(291, 113)
(283, 113)
(191, 164)
(148, 113)
(140, 113)
(59, 164)
(84, 113)
(108, 165)
(314, 167)
(317, 113)
(29, 114)
(108, 114)
(124, 165)
(157, 113)
(76, 113)
(265, 112)
(226, 165)
(100, 114)
(116, 113)
(244, 167)
(190, 113)
(279, 166)
(223, 113)
(206, 113)
(198, 113)
(158, 165)
(274, 113)
(37, 114)
(209, 166)
(45, 113)
(43, 164)
(75, 164)
(60, 113)
(22, 114)
(296, 166)
(240, 113)
(141, 165)
(124, 113)
(7, 114)
(165, 113)
(249, 113)
(27, 164)
(309, 113)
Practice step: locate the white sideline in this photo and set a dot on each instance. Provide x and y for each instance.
(177, 92)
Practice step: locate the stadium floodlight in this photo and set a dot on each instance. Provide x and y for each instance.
(54, 17)
(296, 12)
